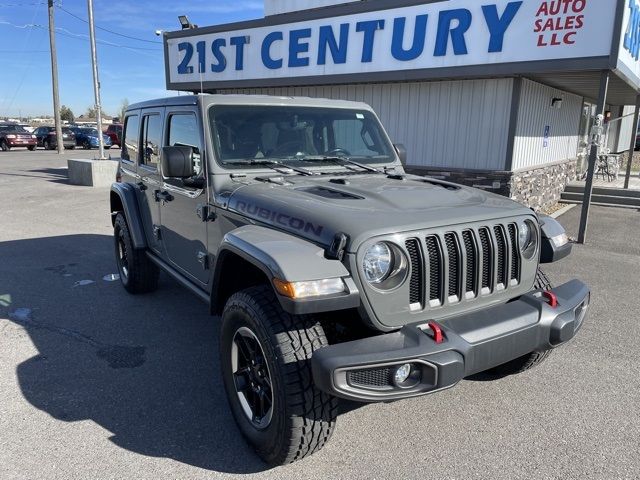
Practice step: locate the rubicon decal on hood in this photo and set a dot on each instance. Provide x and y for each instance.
(277, 218)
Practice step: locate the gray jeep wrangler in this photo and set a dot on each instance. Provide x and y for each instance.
(334, 273)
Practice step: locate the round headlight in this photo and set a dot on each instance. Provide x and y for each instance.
(377, 263)
(528, 239)
(524, 235)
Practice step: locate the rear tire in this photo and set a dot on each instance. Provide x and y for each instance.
(526, 362)
(138, 274)
(47, 145)
(301, 418)
(31, 148)
(86, 145)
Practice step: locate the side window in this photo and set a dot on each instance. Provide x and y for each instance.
(151, 138)
(130, 143)
(184, 132)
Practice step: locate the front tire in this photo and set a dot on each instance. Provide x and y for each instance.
(4, 146)
(138, 274)
(530, 360)
(284, 417)
(31, 148)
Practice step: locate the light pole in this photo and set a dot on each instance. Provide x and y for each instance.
(54, 79)
(96, 80)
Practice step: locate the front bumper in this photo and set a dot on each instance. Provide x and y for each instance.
(362, 370)
(22, 143)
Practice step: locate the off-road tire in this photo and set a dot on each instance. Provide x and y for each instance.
(4, 146)
(526, 362)
(303, 416)
(139, 275)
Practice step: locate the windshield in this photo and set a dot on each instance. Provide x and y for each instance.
(245, 134)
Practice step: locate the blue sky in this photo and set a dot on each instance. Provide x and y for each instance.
(135, 72)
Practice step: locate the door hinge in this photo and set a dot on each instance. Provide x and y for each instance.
(203, 259)
(205, 213)
(157, 232)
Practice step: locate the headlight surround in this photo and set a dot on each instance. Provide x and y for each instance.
(377, 263)
(528, 239)
(385, 266)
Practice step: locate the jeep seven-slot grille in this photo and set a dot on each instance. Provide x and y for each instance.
(476, 261)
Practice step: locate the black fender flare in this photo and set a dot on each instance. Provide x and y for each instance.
(123, 199)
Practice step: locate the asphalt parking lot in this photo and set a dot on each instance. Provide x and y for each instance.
(96, 383)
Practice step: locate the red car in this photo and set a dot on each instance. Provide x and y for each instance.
(15, 136)
(115, 133)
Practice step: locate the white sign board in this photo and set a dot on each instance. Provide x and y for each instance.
(275, 7)
(437, 35)
(629, 55)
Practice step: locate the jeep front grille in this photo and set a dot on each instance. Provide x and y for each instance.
(460, 266)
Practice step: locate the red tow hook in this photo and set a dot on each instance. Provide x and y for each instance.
(438, 336)
(552, 300)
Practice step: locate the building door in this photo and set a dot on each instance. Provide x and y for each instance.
(184, 230)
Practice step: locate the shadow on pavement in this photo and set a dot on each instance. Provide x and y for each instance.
(145, 368)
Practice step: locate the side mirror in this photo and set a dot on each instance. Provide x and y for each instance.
(177, 162)
(402, 152)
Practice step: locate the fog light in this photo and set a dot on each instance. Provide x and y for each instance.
(402, 373)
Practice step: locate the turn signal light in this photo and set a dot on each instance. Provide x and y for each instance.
(314, 288)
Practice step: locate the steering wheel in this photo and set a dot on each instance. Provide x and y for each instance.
(338, 151)
(287, 148)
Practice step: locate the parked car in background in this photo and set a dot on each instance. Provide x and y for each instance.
(13, 135)
(46, 137)
(637, 141)
(88, 138)
(115, 133)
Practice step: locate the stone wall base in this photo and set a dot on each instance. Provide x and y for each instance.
(539, 188)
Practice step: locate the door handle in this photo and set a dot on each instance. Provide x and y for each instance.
(163, 196)
(141, 186)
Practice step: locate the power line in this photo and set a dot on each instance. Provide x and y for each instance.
(21, 4)
(107, 30)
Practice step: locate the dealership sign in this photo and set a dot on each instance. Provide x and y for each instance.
(629, 56)
(455, 33)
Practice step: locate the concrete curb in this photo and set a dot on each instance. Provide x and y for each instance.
(562, 211)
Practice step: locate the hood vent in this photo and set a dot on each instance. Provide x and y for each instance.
(330, 193)
(441, 185)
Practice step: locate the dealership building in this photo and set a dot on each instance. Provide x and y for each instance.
(498, 94)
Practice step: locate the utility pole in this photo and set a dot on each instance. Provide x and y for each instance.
(96, 80)
(54, 79)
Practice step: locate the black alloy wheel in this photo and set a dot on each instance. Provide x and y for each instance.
(252, 378)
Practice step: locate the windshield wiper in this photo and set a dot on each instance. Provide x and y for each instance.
(277, 166)
(347, 160)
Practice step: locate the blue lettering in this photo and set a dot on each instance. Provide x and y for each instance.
(463, 17)
(296, 47)
(184, 68)
(216, 46)
(239, 43)
(632, 35)
(369, 28)
(267, 59)
(338, 49)
(419, 36)
(499, 25)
